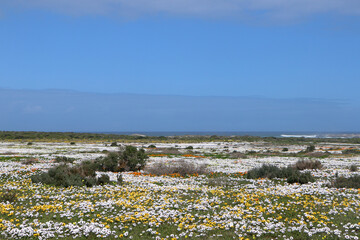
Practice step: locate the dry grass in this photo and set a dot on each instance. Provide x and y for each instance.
(308, 164)
(180, 167)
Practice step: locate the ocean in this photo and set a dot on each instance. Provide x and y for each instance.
(243, 133)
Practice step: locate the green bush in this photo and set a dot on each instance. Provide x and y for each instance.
(353, 168)
(301, 178)
(113, 144)
(133, 158)
(130, 159)
(310, 148)
(189, 147)
(64, 159)
(350, 182)
(270, 171)
(285, 149)
(66, 176)
(152, 146)
(103, 179)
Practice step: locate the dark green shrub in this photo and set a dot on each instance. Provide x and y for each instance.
(64, 159)
(353, 168)
(72, 143)
(9, 195)
(103, 179)
(301, 178)
(308, 164)
(29, 143)
(350, 182)
(152, 146)
(270, 171)
(310, 148)
(113, 144)
(285, 149)
(189, 147)
(130, 159)
(265, 171)
(65, 176)
(133, 158)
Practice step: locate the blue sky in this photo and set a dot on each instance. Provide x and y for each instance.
(282, 56)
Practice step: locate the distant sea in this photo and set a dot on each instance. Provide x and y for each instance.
(259, 134)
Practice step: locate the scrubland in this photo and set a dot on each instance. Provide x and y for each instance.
(203, 190)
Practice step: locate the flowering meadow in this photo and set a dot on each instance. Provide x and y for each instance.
(221, 204)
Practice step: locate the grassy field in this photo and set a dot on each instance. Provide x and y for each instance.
(221, 204)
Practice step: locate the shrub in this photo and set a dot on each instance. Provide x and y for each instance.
(180, 167)
(310, 148)
(301, 178)
(9, 195)
(72, 143)
(103, 179)
(271, 171)
(308, 164)
(350, 182)
(130, 159)
(113, 144)
(64, 159)
(151, 146)
(189, 147)
(265, 171)
(353, 168)
(133, 158)
(285, 149)
(29, 143)
(65, 176)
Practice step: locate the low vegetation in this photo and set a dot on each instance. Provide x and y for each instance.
(180, 167)
(346, 182)
(307, 164)
(84, 174)
(270, 171)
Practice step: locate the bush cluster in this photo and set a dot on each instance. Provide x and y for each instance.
(129, 159)
(66, 176)
(343, 182)
(271, 171)
(84, 174)
(64, 159)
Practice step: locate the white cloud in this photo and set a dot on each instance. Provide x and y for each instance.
(277, 9)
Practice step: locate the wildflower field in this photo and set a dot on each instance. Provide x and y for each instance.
(219, 204)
